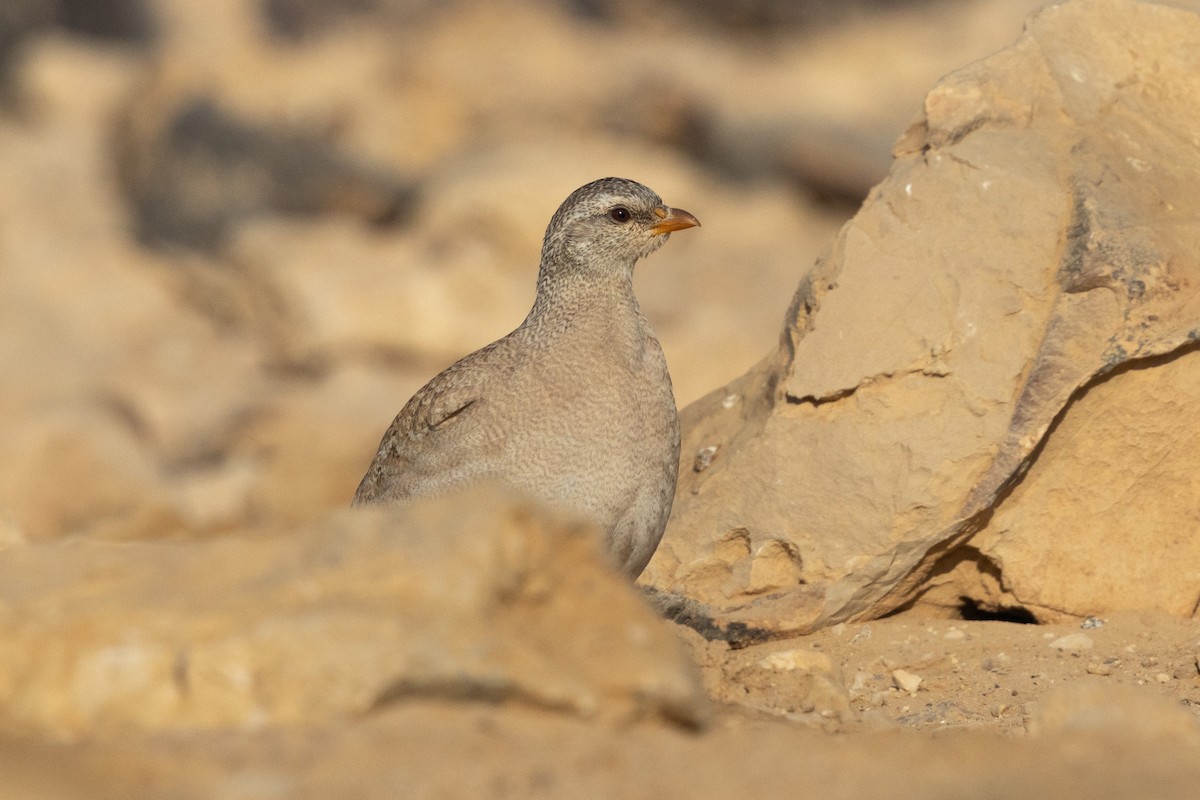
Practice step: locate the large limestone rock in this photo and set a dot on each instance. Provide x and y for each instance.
(471, 598)
(1019, 296)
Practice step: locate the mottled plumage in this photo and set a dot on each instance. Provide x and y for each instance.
(573, 407)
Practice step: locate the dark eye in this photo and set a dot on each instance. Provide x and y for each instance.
(620, 214)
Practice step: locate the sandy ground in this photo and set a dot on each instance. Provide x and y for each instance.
(926, 674)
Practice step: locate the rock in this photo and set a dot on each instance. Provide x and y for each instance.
(81, 471)
(468, 598)
(906, 681)
(198, 171)
(39, 772)
(786, 660)
(1126, 527)
(1031, 246)
(1073, 642)
(1090, 707)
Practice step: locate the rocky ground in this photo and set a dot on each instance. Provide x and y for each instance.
(936, 344)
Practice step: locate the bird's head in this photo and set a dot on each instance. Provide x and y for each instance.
(609, 224)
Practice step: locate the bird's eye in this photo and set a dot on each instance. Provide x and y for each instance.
(620, 214)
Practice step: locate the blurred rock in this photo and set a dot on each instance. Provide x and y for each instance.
(204, 171)
(121, 22)
(761, 17)
(305, 450)
(82, 471)
(468, 598)
(417, 748)
(126, 21)
(117, 389)
(46, 772)
(1036, 233)
(18, 19)
(1091, 707)
(303, 19)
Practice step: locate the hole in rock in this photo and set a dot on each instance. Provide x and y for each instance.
(968, 609)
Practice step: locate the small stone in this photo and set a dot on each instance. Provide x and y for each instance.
(789, 660)
(906, 681)
(704, 458)
(1073, 642)
(1097, 668)
(863, 634)
(776, 565)
(1162, 677)
(954, 634)
(1185, 669)
(1092, 622)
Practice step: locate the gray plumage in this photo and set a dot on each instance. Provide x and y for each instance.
(573, 407)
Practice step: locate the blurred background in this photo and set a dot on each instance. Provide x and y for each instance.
(236, 235)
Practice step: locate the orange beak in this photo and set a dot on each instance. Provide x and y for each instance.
(672, 219)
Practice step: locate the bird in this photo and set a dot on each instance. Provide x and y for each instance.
(573, 408)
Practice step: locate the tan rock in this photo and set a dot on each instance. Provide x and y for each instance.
(1073, 642)
(1100, 706)
(1037, 231)
(1106, 517)
(472, 597)
(81, 471)
(906, 681)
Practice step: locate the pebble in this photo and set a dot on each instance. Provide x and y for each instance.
(906, 681)
(1185, 670)
(704, 458)
(1073, 642)
(788, 660)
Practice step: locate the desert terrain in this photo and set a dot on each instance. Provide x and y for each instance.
(936, 348)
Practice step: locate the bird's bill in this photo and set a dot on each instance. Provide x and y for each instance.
(672, 219)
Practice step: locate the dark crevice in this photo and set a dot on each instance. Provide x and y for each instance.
(970, 610)
(814, 401)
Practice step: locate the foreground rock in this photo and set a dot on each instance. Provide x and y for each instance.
(437, 750)
(471, 598)
(1030, 259)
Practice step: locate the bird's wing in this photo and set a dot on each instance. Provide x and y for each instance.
(438, 434)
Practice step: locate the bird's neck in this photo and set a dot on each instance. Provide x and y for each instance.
(568, 298)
